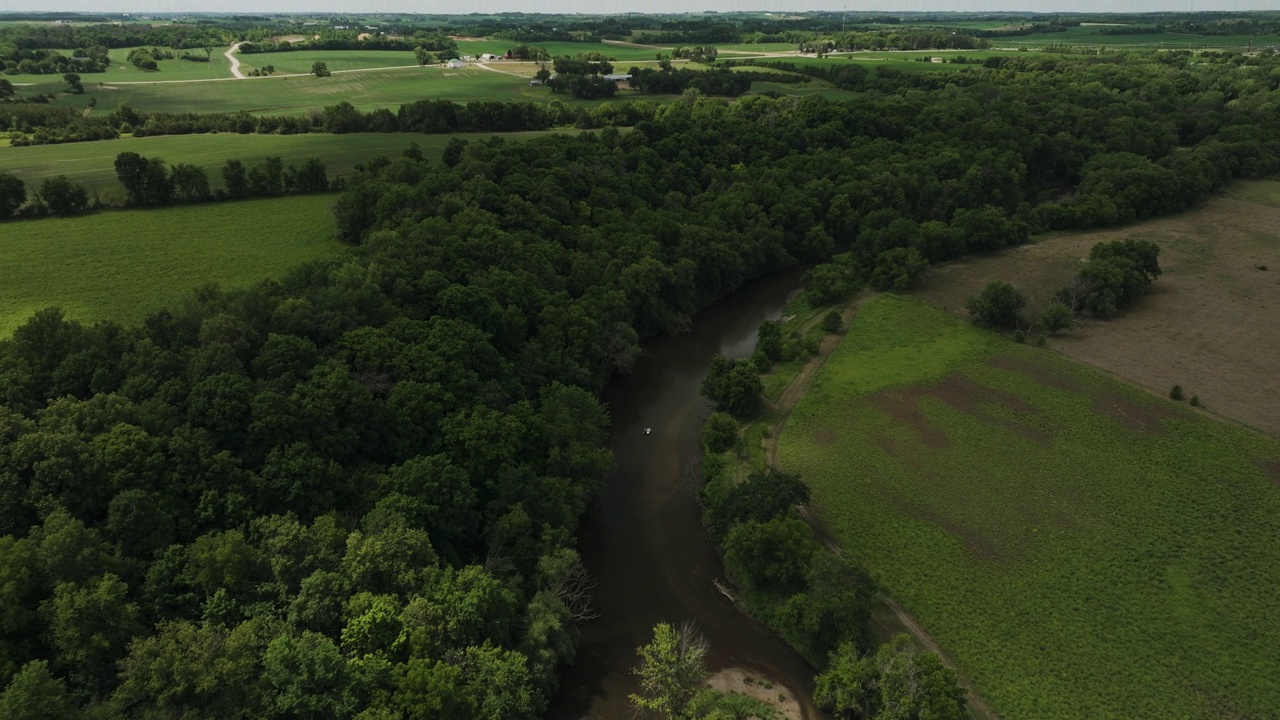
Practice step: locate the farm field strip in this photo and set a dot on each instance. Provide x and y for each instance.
(127, 264)
(92, 164)
(1078, 547)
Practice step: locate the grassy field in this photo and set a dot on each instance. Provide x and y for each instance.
(299, 95)
(125, 265)
(121, 70)
(1079, 548)
(302, 60)
(92, 164)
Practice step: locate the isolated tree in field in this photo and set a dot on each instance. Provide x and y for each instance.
(897, 683)
(422, 54)
(734, 385)
(997, 305)
(319, 69)
(12, 194)
(671, 669)
(62, 196)
(73, 82)
(1056, 318)
(1116, 274)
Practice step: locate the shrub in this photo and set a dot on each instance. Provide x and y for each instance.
(720, 433)
(1195, 401)
(1056, 318)
(1176, 393)
(832, 322)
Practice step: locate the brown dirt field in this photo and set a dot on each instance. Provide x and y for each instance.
(1209, 324)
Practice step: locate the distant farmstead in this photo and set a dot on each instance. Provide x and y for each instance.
(487, 57)
(456, 64)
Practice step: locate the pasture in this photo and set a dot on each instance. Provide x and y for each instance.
(1078, 547)
(336, 60)
(1208, 324)
(127, 264)
(92, 164)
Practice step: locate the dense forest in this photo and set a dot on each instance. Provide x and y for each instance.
(353, 492)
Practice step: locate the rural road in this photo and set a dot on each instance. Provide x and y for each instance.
(235, 62)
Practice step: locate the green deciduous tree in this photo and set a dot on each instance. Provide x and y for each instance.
(319, 69)
(997, 305)
(12, 194)
(897, 683)
(671, 669)
(62, 196)
(310, 677)
(35, 694)
(734, 385)
(771, 556)
(895, 269)
(1056, 318)
(720, 433)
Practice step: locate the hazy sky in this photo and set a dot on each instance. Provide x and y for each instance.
(596, 7)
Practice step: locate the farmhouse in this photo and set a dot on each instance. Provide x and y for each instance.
(455, 64)
(487, 57)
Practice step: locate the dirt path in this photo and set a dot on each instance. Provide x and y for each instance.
(782, 408)
(624, 43)
(482, 66)
(235, 62)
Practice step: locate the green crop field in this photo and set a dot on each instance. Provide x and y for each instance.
(299, 95)
(92, 164)
(1077, 547)
(336, 60)
(556, 49)
(125, 265)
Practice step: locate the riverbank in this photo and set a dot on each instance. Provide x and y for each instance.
(785, 385)
(643, 539)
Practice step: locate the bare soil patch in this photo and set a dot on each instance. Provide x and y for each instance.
(903, 405)
(1209, 324)
(737, 680)
(976, 543)
(1041, 374)
(1272, 469)
(1138, 416)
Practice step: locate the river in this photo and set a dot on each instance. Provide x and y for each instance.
(642, 539)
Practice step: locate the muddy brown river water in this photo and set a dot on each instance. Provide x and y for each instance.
(642, 539)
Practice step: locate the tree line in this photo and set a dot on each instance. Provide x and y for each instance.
(149, 181)
(354, 490)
